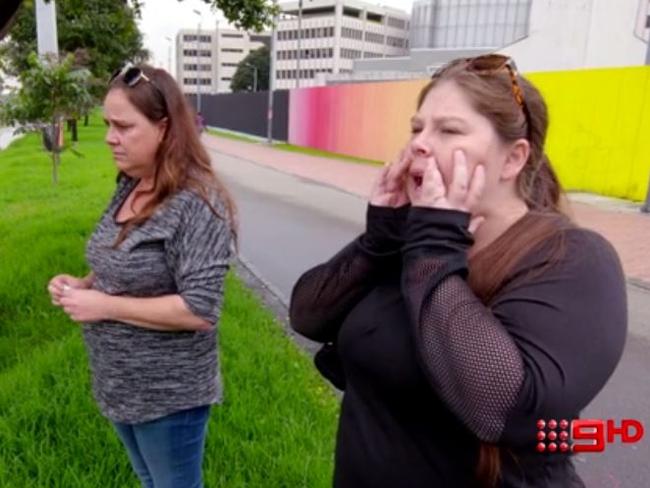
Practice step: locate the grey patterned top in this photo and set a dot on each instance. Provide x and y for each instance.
(184, 248)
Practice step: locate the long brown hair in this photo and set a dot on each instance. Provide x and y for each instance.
(181, 161)
(537, 184)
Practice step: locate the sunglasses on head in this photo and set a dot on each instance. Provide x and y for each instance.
(490, 64)
(132, 75)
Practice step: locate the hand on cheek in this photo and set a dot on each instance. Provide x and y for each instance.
(426, 187)
(389, 188)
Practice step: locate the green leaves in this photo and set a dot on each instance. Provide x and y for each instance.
(49, 90)
(244, 76)
(247, 14)
(106, 32)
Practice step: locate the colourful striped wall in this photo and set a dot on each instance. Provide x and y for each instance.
(599, 137)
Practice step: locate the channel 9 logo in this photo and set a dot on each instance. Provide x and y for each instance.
(585, 435)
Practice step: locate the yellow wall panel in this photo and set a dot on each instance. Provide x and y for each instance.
(599, 134)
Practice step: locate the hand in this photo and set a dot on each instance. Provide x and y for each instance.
(86, 305)
(426, 188)
(389, 189)
(60, 283)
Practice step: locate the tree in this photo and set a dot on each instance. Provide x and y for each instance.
(243, 14)
(243, 80)
(101, 34)
(50, 91)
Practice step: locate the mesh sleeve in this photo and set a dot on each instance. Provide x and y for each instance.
(324, 295)
(502, 368)
(469, 358)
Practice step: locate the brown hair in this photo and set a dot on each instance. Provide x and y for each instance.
(181, 159)
(492, 96)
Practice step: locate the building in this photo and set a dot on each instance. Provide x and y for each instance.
(540, 35)
(587, 34)
(453, 24)
(326, 36)
(210, 62)
(442, 30)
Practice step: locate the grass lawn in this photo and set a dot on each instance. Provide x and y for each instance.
(299, 149)
(277, 425)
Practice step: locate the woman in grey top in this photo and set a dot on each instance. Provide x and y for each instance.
(152, 302)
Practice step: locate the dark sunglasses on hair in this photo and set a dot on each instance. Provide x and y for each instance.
(489, 64)
(132, 75)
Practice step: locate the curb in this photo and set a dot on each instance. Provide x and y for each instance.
(274, 300)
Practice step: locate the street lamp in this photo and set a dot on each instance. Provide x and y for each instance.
(299, 43)
(254, 68)
(169, 54)
(198, 65)
(272, 62)
(46, 33)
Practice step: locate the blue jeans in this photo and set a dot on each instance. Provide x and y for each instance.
(167, 452)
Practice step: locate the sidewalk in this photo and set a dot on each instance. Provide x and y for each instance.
(621, 223)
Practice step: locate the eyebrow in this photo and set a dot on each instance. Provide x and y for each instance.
(417, 120)
(117, 121)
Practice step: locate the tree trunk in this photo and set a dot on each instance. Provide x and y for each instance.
(86, 120)
(55, 151)
(73, 125)
(55, 167)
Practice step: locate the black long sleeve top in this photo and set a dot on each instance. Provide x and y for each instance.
(431, 371)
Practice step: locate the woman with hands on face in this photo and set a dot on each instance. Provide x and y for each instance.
(472, 306)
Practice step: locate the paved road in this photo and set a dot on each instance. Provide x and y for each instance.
(290, 224)
(6, 136)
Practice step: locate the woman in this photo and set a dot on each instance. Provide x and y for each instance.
(472, 306)
(151, 304)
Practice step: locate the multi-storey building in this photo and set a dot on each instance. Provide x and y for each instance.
(325, 36)
(206, 62)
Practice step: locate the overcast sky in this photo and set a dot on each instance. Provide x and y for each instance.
(164, 18)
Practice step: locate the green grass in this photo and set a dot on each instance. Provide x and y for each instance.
(299, 149)
(276, 427)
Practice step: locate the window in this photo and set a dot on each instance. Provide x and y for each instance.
(395, 41)
(226, 79)
(232, 50)
(206, 67)
(205, 53)
(232, 36)
(189, 81)
(376, 38)
(350, 53)
(397, 23)
(189, 67)
(351, 33)
(189, 38)
(206, 81)
(228, 65)
(189, 52)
